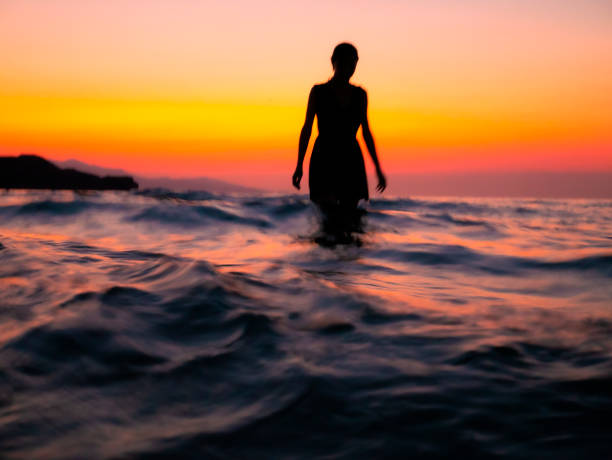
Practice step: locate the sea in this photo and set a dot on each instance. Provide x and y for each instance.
(153, 325)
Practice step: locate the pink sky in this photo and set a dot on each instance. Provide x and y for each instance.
(218, 88)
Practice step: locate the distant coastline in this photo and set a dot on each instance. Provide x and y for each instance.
(175, 184)
(35, 172)
(486, 184)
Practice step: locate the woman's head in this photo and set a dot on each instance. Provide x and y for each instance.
(344, 60)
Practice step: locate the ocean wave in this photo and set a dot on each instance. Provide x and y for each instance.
(50, 208)
(193, 216)
(279, 207)
(601, 263)
(439, 254)
(449, 219)
(163, 194)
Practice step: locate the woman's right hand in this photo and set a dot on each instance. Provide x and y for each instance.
(297, 177)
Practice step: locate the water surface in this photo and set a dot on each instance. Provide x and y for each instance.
(152, 325)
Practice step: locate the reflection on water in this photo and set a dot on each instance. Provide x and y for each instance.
(146, 325)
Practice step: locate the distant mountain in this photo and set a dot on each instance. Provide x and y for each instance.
(34, 172)
(92, 169)
(175, 184)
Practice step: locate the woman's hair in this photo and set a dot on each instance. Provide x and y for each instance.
(344, 52)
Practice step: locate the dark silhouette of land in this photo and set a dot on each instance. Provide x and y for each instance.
(34, 172)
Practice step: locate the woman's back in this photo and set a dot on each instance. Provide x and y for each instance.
(339, 110)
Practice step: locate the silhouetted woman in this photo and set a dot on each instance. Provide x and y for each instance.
(337, 177)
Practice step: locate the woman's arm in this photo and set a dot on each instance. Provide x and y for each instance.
(369, 141)
(304, 139)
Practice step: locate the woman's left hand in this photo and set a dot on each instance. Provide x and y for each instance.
(297, 177)
(382, 181)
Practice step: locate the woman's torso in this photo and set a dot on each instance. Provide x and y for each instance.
(339, 112)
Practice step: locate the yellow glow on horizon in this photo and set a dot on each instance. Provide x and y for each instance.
(232, 131)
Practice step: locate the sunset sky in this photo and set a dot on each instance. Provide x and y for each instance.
(219, 88)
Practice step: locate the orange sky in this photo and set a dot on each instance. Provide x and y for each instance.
(213, 88)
